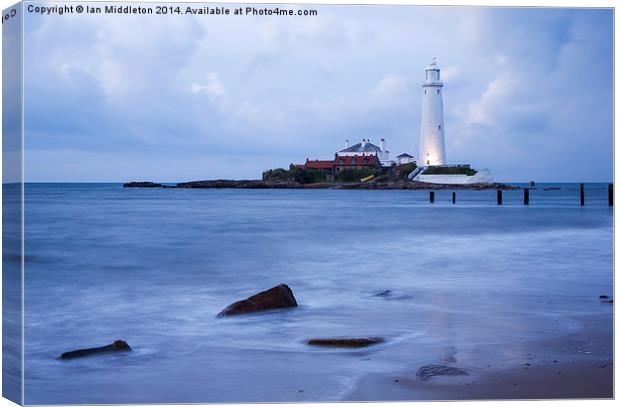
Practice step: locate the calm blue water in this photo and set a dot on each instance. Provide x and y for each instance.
(154, 266)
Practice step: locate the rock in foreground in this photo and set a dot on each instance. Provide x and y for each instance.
(429, 371)
(117, 346)
(345, 342)
(280, 296)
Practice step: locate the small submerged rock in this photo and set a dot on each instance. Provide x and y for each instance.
(427, 372)
(280, 296)
(390, 295)
(117, 346)
(385, 293)
(345, 342)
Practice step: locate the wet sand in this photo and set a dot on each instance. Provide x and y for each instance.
(578, 365)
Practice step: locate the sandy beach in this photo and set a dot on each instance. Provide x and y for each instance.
(578, 365)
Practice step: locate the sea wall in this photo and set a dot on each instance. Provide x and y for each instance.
(481, 177)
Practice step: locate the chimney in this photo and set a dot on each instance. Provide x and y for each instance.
(346, 143)
(382, 145)
(363, 142)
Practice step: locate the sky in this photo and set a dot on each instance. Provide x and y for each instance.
(528, 92)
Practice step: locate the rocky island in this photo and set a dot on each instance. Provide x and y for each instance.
(260, 184)
(305, 178)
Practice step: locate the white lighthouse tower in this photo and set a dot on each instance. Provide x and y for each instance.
(432, 167)
(432, 144)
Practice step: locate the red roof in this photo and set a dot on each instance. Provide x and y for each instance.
(319, 164)
(356, 161)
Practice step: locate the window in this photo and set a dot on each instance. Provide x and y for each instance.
(425, 91)
(439, 127)
(438, 91)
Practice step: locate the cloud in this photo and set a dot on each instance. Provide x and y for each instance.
(498, 94)
(214, 87)
(451, 74)
(539, 108)
(392, 86)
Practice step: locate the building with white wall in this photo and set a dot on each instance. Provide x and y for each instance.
(366, 148)
(405, 158)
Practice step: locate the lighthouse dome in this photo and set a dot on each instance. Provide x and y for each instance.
(433, 64)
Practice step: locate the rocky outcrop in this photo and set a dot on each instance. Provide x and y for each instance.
(259, 184)
(245, 184)
(142, 184)
(429, 371)
(280, 296)
(345, 342)
(117, 346)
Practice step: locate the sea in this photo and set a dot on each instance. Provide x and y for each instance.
(437, 281)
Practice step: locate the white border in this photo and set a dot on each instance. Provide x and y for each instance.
(523, 3)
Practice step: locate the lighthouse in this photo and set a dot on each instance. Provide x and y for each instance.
(432, 167)
(432, 144)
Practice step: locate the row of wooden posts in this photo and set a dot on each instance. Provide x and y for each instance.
(526, 196)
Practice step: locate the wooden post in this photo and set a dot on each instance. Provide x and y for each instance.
(582, 195)
(453, 197)
(526, 196)
(499, 196)
(610, 194)
(432, 196)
